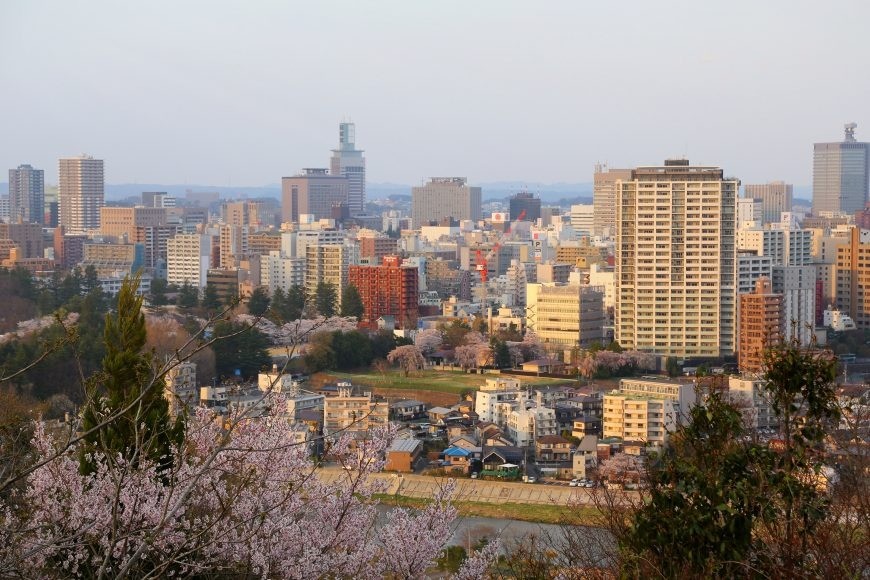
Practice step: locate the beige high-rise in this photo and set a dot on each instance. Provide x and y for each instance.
(604, 199)
(675, 260)
(444, 197)
(81, 193)
(776, 197)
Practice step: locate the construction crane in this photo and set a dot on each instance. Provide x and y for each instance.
(510, 225)
(483, 270)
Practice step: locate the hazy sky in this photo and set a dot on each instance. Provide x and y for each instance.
(245, 92)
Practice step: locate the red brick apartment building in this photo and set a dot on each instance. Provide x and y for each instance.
(387, 290)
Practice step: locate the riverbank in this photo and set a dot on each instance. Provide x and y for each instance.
(580, 515)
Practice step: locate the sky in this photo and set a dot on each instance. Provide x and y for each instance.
(243, 93)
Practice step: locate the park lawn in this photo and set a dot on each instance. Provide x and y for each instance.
(454, 382)
(536, 513)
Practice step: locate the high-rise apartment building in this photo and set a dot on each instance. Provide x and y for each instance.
(188, 259)
(775, 197)
(797, 284)
(525, 201)
(81, 193)
(841, 175)
(312, 192)
(328, 263)
(760, 325)
(348, 162)
(853, 277)
(26, 236)
(387, 290)
(675, 260)
(604, 198)
(27, 195)
(444, 197)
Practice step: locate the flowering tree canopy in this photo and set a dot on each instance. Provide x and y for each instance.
(408, 357)
(243, 498)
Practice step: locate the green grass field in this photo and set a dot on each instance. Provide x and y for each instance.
(539, 514)
(428, 380)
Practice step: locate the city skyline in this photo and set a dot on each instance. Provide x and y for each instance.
(218, 103)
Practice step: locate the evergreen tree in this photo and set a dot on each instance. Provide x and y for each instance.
(351, 302)
(188, 296)
(295, 303)
(502, 354)
(126, 388)
(258, 303)
(240, 348)
(325, 297)
(158, 292)
(210, 299)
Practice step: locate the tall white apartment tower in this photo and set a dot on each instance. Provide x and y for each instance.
(348, 162)
(675, 260)
(81, 193)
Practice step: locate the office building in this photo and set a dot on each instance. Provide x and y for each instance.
(604, 198)
(444, 197)
(797, 284)
(348, 162)
(26, 236)
(565, 316)
(525, 201)
(241, 213)
(675, 260)
(774, 197)
(387, 290)
(760, 326)
(840, 175)
(26, 195)
(233, 240)
(157, 199)
(375, 246)
(312, 192)
(80, 193)
(582, 220)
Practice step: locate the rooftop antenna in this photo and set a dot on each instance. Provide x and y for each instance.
(850, 132)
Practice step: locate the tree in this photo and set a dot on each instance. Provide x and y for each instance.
(724, 504)
(124, 389)
(258, 303)
(672, 367)
(428, 340)
(237, 504)
(501, 354)
(210, 299)
(408, 357)
(325, 298)
(188, 296)
(158, 292)
(240, 347)
(351, 302)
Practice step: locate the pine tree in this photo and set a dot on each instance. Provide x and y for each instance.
(126, 388)
(210, 298)
(324, 298)
(258, 303)
(351, 302)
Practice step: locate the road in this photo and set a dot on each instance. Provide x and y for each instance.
(426, 486)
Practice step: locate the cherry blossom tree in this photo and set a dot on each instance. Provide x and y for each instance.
(408, 357)
(239, 502)
(622, 467)
(428, 340)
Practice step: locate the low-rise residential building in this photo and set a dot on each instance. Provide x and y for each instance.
(748, 394)
(403, 454)
(646, 410)
(552, 448)
(351, 411)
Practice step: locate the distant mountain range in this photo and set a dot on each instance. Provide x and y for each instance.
(496, 190)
